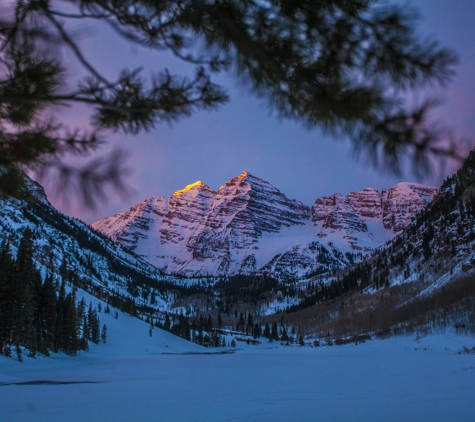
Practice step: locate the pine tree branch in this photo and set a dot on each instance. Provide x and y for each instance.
(76, 49)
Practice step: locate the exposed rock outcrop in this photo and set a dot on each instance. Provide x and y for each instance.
(396, 206)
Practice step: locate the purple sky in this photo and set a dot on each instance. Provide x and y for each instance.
(215, 146)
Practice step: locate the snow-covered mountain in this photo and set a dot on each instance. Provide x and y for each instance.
(250, 226)
(60, 241)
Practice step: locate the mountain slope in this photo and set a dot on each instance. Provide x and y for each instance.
(60, 241)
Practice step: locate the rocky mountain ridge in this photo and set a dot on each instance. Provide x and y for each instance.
(249, 226)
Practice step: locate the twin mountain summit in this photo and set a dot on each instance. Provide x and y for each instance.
(248, 226)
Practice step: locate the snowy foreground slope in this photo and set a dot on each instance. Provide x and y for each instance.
(248, 225)
(135, 377)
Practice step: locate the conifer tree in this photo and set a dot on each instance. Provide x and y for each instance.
(70, 333)
(167, 324)
(48, 311)
(241, 321)
(6, 298)
(257, 331)
(275, 331)
(104, 334)
(93, 325)
(284, 336)
(209, 323)
(267, 333)
(19, 352)
(85, 333)
(23, 294)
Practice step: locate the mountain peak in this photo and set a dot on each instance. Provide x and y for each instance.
(197, 185)
(246, 175)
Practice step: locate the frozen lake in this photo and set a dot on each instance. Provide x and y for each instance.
(380, 380)
(135, 377)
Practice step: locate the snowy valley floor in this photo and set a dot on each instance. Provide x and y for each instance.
(137, 378)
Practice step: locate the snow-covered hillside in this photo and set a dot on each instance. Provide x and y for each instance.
(62, 241)
(249, 226)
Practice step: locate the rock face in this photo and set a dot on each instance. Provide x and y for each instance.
(127, 228)
(402, 202)
(250, 226)
(336, 212)
(390, 211)
(186, 208)
(243, 210)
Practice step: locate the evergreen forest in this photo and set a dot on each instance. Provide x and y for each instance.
(39, 314)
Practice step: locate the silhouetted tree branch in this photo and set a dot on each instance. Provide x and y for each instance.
(346, 66)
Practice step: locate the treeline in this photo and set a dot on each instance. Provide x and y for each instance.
(209, 332)
(38, 314)
(249, 290)
(358, 278)
(273, 332)
(201, 330)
